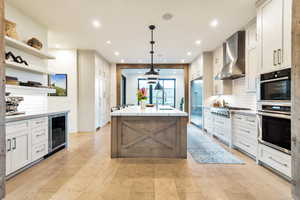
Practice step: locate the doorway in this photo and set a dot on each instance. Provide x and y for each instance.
(197, 102)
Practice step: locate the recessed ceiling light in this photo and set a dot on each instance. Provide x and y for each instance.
(198, 42)
(182, 60)
(189, 53)
(117, 53)
(214, 23)
(167, 16)
(96, 24)
(122, 60)
(108, 42)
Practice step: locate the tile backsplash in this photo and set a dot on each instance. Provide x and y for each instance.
(239, 97)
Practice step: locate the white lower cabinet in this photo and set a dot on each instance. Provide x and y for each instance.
(244, 130)
(208, 120)
(222, 128)
(26, 142)
(18, 146)
(275, 159)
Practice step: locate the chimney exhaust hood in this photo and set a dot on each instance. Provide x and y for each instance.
(233, 57)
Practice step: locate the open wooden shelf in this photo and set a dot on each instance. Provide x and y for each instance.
(30, 68)
(28, 89)
(27, 49)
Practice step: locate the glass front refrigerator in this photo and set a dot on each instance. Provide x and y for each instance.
(197, 102)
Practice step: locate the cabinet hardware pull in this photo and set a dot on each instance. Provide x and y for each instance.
(244, 144)
(15, 144)
(39, 135)
(246, 131)
(283, 164)
(274, 57)
(279, 56)
(9, 149)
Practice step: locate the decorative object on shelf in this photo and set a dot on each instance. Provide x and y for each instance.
(12, 104)
(142, 97)
(10, 30)
(152, 75)
(150, 105)
(60, 83)
(11, 80)
(35, 43)
(17, 59)
(31, 84)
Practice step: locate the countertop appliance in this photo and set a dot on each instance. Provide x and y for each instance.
(12, 104)
(233, 57)
(58, 132)
(275, 126)
(276, 86)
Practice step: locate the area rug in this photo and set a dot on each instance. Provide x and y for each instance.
(205, 151)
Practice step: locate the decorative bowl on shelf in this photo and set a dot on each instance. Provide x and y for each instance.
(35, 43)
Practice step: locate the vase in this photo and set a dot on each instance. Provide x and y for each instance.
(143, 104)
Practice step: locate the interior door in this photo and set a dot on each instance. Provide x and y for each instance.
(272, 33)
(20, 150)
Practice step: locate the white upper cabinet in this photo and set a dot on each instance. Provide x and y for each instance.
(274, 31)
(197, 68)
(251, 58)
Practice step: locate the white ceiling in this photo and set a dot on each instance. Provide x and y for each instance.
(125, 24)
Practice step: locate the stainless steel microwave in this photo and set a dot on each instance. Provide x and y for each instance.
(276, 86)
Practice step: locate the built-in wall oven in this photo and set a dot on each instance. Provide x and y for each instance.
(57, 132)
(276, 86)
(274, 110)
(275, 126)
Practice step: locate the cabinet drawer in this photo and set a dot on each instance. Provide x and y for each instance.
(275, 159)
(248, 146)
(16, 127)
(39, 150)
(39, 135)
(244, 132)
(245, 120)
(40, 122)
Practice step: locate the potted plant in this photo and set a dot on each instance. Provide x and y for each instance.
(142, 97)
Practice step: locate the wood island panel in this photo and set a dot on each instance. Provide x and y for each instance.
(151, 137)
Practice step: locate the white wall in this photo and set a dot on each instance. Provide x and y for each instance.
(113, 84)
(132, 86)
(66, 63)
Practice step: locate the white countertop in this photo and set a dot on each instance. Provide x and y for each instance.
(32, 115)
(137, 111)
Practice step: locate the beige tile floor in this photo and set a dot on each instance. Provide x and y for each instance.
(86, 172)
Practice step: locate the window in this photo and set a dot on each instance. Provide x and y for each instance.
(165, 97)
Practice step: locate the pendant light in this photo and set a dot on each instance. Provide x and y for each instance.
(152, 75)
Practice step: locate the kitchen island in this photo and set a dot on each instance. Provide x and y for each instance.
(154, 133)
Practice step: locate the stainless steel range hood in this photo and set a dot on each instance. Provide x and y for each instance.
(233, 57)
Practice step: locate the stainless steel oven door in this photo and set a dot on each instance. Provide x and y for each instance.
(275, 130)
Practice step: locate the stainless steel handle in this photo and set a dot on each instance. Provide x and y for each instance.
(283, 164)
(275, 115)
(279, 57)
(274, 57)
(277, 79)
(9, 149)
(15, 144)
(246, 131)
(252, 121)
(244, 144)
